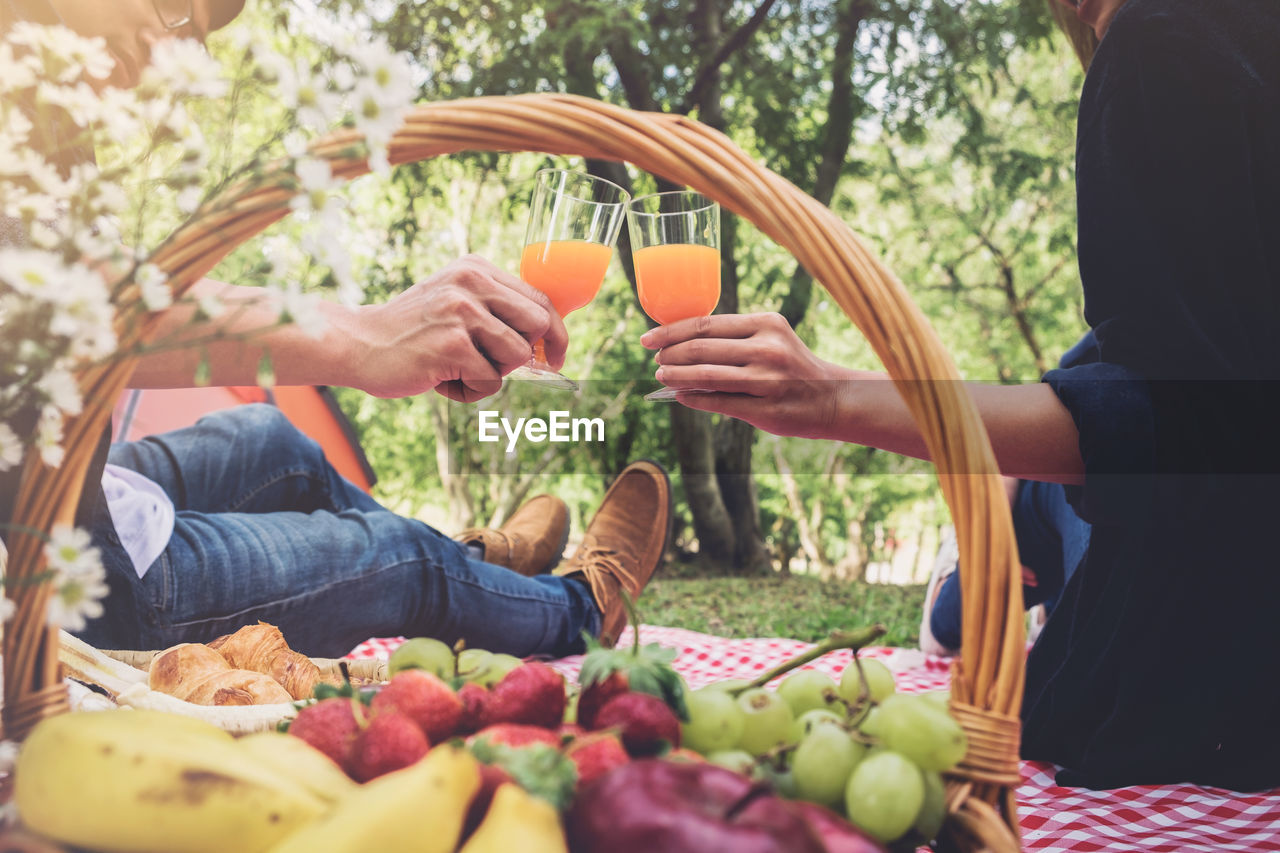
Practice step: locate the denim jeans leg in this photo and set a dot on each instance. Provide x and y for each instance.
(245, 459)
(332, 580)
(1052, 541)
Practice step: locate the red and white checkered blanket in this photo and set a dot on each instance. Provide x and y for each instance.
(1154, 819)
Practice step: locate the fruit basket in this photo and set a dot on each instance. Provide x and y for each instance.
(988, 675)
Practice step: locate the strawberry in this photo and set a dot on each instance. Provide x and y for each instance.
(516, 734)
(392, 740)
(646, 722)
(329, 725)
(595, 755)
(425, 699)
(532, 693)
(594, 696)
(608, 673)
(474, 698)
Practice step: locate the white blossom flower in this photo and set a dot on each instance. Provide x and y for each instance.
(188, 199)
(78, 598)
(31, 272)
(307, 95)
(302, 309)
(69, 549)
(60, 388)
(186, 69)
(14, 73)
(63, 54)
(211, 306)
(10, 448)
(48, 439)
(315, 199)
(154, 286)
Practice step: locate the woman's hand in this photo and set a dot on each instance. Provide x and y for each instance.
(760, 371)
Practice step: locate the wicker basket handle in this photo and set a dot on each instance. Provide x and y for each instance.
(987, 684)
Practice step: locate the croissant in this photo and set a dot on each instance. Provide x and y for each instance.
(262, 648)
(198, 674)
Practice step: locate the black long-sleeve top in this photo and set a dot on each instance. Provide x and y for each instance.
(1159, 664)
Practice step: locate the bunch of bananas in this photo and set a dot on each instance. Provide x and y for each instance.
(143, 781)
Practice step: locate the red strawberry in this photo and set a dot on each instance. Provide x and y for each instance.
(516, 734)
(646, 722)
(330, 726)
(532, 693)
(568, 731)
(392, 740)
(474, 697)
(595, 755)
(425, 699)
(594, 696)
(608, 673)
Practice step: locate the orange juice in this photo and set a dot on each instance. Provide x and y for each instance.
(568, 271)
(677, 281)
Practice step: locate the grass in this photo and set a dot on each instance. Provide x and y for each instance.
(798, 607)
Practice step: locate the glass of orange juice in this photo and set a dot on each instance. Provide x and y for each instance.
(675, 247)
(574, 220)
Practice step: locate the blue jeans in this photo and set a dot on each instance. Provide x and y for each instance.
(1051, 541)
(267, 530)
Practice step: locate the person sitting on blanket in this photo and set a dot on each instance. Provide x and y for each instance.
(240, 518)
(1163, 433)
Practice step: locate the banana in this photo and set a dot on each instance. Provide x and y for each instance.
(419, 809)
(302, 763)
(517, 820)
(150, 782)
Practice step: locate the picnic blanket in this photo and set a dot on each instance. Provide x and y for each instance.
(1154, 819)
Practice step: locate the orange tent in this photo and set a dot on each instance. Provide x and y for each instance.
(312, 409)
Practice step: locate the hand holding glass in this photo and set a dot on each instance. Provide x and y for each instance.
(675, 246)
(574, 220)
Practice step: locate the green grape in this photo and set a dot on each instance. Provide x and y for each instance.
(766, 721)
(870, 725)
(715, 721)
(473, 664)
(808, 690)
(734, 759)
(916, 728)
(934, 810)
(423, 653)
(822, 763)
(879, 681)
(941, 698)
(809, 720)
(884, 795)
(499, 666)
(781, 779)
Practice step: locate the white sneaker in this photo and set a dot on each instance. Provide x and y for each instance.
(1036, 617)
(944, 566)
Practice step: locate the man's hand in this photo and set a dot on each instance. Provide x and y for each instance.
(459, 331)
(761, 372)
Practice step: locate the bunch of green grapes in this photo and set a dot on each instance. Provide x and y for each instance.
(858, 746)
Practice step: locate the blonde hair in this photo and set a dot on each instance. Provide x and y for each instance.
(1082, 38)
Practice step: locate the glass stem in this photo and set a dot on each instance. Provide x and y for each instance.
(539, 352)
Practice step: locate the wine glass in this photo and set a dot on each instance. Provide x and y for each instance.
(574, 220)
(675, 247)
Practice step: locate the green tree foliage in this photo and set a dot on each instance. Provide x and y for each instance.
(939, 129)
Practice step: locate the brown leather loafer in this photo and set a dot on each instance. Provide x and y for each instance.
(624, 543)
(531, 541)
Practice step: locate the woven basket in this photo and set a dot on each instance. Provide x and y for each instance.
(988, 676)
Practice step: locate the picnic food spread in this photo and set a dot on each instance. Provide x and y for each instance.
(479, 753)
